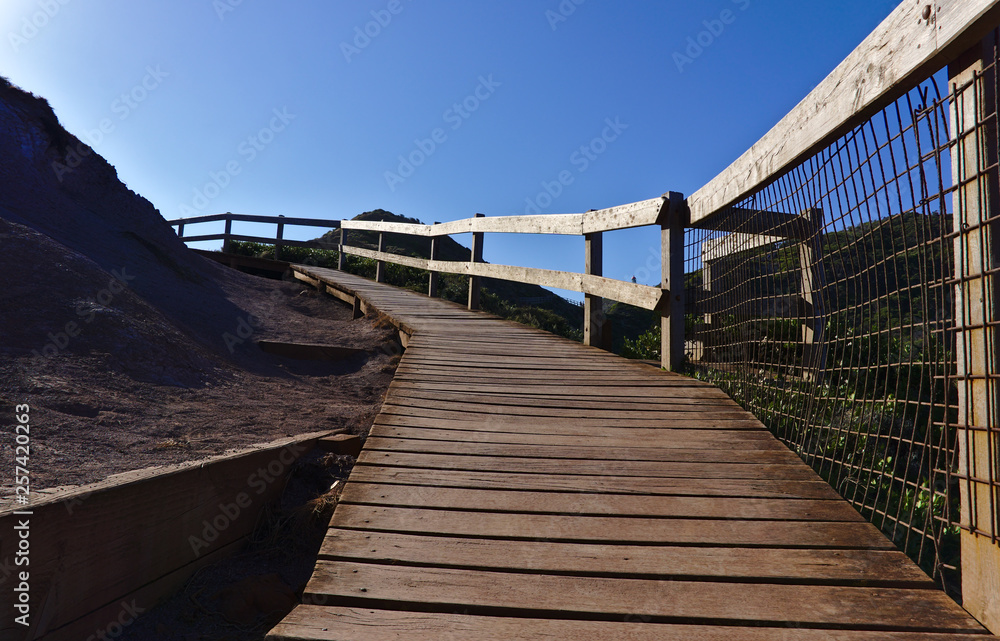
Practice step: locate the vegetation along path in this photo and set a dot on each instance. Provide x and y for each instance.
(518, 485)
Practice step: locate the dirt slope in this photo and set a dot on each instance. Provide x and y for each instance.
(132, 350)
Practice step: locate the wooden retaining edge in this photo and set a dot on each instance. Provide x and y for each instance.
(352, 297)
(99, 553)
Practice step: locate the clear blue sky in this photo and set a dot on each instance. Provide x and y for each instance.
(185, 89)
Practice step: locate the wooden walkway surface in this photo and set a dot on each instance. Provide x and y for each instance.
(517, 485)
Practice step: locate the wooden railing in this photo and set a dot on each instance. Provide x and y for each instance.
(668, 212)
(278, 240)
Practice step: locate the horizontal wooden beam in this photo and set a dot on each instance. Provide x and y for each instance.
(716, 248)
(751, 221)
(198, 219)
(249, 218)
(411, 229)
(640, 214)
(902, 52)
(308, 244)
(408, 261)
(634, 294)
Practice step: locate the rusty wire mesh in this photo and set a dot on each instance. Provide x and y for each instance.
(825, 304)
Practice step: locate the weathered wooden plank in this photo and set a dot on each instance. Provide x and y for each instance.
(767, 223)
(322, 623)
(662, 469)
(598, 504)
(977, 308)
(728, 449)
(904, 50)
(650, 386)
(607, 484)
(610, 392)
(565, 424)
(716, 248)
(696, 601)
(410, 229)
(408, 261)
(529, 400)
(612, 529)
(640, 214)
(639, 430)
(874, 568)
(682, 447)
(695, 413)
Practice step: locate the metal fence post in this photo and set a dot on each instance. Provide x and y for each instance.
(977, 315)
(475, 282)
(672, 267)
(593, 306)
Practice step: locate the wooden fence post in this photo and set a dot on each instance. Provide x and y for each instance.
(977, 312)
(475, 282)
(811, 284)
(593, 306)
(672, 267)
(180, 230)
(380, 265)
(278, 239)
(341, 257)
(226, 242)
(434, 279)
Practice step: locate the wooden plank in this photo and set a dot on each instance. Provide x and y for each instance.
(612, 529)
(638, 429)
(539, 373)
(562, 224)
(675, 469)
(335, 623)
(640, 214)
(409, 229)
(767, 223)
(882, 568)
(678, 443)
(408, 261)
(653, 387)
(695, 413)
(729, 449)
(670, 601)
(631, 293)
(568, 424)
(610, 393)
(977, 307)
(606, 484)
(902, 51)
(716, 248)
(598, 504)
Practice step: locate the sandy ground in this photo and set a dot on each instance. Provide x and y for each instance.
(90, 419)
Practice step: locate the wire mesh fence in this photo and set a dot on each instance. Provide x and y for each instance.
(825, 303)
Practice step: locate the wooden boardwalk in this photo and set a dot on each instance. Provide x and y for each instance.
(517, 485)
